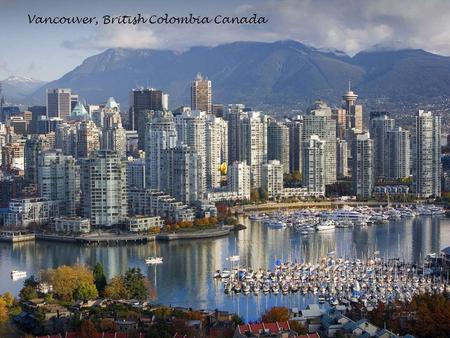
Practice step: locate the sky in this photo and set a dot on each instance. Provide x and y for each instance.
(47, 52)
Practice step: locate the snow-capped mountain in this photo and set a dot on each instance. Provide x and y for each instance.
(16, 88)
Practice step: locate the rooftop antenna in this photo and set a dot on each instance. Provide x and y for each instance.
(349, 85)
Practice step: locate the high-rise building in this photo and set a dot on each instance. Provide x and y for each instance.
(234, 116)
(238, 178)
(33, 147)
(141, 100)
(272, 178)
(182, 167)
(314, 164)
(161, 135)
(13, 156)
(398, 164)
(340, 116)
(354, 118)
(362, 172)
(201, 94)
(104, 188)
(295, 144)
(37, 114)
(379, 126)
(59, 103)
(88, 139)
(318, 122)
(113, 134)
(216, 137)
(278, 143)
(427, 155)
(191, 131)
(254, 144)
(66, 138)
(341, 158)
(136, 172)
(58, 179)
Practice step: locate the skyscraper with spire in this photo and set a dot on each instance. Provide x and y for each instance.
(354, 111)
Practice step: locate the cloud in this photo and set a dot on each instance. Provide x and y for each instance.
(348, 25)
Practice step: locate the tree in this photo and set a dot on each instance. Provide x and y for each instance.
(160, 329)
(298, 327)
(3, 311)
(27, 293)
(135, 284)
(237, 320)
(8, 298)
(85, 291)
(254, 195)
(88, 329)
(107, 325)
(116, 289)
(275, 314)
(66, 280)
(99, 277)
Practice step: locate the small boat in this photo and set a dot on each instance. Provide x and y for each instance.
(234, 258)
(15, 274)
(276, 224)
(154, 260)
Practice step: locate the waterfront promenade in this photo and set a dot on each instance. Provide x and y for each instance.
(112, 239)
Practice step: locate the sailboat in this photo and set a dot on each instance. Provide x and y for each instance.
(154, 259)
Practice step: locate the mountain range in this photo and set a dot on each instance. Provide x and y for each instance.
(17, 89)
(282, 73)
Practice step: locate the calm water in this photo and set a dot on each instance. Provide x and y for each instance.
(185, 278)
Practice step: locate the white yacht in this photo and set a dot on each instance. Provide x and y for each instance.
(234, 258)
(154, 260)
(15, 274)
(276, 224)
(326, 225)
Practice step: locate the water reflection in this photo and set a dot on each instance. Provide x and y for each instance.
(185, 278)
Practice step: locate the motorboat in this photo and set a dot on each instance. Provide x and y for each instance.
(16, 274)
(154, 260)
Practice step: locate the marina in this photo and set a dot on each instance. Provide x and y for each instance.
(186, 276)
(305, 220)
(337, 281)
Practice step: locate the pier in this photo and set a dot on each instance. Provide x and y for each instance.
(15, 236)
(98, 240)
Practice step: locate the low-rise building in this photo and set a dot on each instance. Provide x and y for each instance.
(141, 223)
(30, 211)
(156, 203)
(73, 224)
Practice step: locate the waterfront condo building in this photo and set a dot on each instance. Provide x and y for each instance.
(272, 178)
(398, 159)
(427, 155)
(379, 127)
(104, 189)
(58, 179)
(319, 122)
(362, 171)
(161, 135)
(238, 177)
(314, 165)
(278, 143)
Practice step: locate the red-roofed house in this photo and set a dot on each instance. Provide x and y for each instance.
(263, 330)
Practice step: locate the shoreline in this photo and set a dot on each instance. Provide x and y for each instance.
(116, 240)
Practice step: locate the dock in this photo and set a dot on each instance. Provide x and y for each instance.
(98, 240)
(15, 236)
(204, 234)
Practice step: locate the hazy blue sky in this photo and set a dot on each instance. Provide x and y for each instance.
(48, 51)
